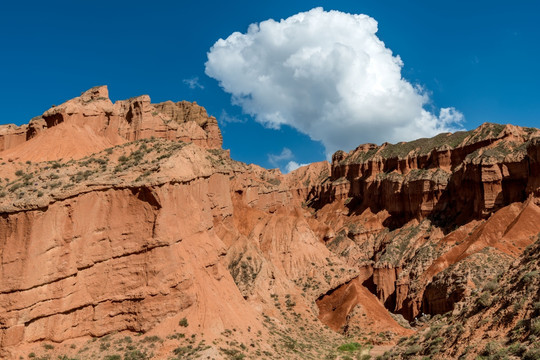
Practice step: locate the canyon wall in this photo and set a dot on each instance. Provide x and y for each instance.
(414, 213)
(458, 176)
(130, 218)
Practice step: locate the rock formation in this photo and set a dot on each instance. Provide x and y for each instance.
(412, 210)
(129, 219)
(500, 320)
(91, 122)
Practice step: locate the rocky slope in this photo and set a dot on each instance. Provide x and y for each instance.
(158, 236)
(420, 216)
(127, 232)
(140, 236)
(499, 321)
(91, 123)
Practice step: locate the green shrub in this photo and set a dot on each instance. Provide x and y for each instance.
(516, 349)
(183, 322)
(290, 343)
(484, 300)
(15, 187)
(112, 357)
(153, 338)
(354, 346)
(530, 276)
(81, 175)
(413, 350)
(491, 286)
(532, 354)
(122, 159)
(183, 350)
(135, 355)
(491, 348)
(55, 185)
(535, 326)
(233, 354)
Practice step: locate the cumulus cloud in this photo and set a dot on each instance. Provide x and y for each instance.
(327, 74)
(286, 154)
(193, 83)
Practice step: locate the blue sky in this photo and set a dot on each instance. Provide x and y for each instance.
(479, 57)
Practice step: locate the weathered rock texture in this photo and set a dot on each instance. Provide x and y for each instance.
(91, 123)
(138, 236)
(109, 254)
(129, 218)
(413, 215)
(500, 320)
(464, 175)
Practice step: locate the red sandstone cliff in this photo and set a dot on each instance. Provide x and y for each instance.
(138, 223)
(163, 235)
(417, 216)
(91, 122)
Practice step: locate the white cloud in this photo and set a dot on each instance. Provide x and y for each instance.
(286, 154)
(329, 76)
(225, 118)
(293, 165)
(193, 83)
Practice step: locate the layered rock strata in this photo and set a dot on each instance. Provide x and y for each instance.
(411, 213)
(138, 222)
(97, 123)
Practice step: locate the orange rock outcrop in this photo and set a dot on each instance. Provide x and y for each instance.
(138, 222)
(91, 122)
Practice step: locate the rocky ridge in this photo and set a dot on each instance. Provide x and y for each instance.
(412, 213)
(143, 225)
(91, 122)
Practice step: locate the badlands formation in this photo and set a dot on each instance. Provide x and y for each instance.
(127, 232)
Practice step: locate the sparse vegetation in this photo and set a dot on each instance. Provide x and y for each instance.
(183, 322)
(350, 347)
(112, 357)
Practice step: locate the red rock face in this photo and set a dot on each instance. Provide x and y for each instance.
(337, 306)
(170, 231)
(479, 180)
(141, 229)
(11, 136)
(95, 123)
(479, 172)
(113, 260)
